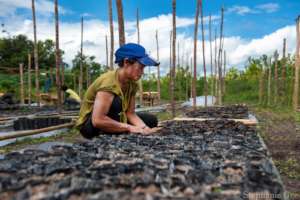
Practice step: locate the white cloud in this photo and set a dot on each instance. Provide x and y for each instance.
(268, 7)
(43, 7)
(261, 8)
(238, 49)
(241, 10)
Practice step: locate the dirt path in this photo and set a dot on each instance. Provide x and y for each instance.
(281, 133)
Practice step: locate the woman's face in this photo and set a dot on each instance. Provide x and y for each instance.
(135, 70)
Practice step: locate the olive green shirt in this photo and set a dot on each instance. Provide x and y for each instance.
(107, 82)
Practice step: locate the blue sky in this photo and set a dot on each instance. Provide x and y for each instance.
(253, 23)
(252, 28)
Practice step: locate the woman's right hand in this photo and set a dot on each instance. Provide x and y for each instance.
(143, 131)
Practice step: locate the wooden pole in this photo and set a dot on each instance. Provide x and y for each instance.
(297, 65)
(276, 77)
(283, 69)
(138, 41)
(106, 50)
(174, 57)
(111, 28)
(57, 57)
(211, 62)
(81, 62)
(219, 58)
(170, 62)
(191, 81)
(120, 22)
(187, 77)
(87, 76)
(29, 79)
(261, 85)
(21, 83)
(158, 68)
(224, 74)
(216, 70)
(18, 134)
(203, 54)
(74, 81)
(269, 80)
(36, 62)
(138, 25)
(195, 53)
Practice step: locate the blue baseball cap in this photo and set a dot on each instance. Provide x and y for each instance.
(134, 51)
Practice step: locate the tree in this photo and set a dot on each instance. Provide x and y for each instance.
(14, 51)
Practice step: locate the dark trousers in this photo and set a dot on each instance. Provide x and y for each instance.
(88, 130)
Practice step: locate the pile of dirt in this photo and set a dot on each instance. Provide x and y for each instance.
(191, 160)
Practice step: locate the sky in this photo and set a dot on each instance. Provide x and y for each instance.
(251, 28)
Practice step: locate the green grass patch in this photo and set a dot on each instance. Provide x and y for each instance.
(289, 168)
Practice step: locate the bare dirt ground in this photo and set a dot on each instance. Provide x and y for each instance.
(281, 133)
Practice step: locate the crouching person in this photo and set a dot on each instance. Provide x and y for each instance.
(109, 103)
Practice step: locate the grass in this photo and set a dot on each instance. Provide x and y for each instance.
(289, 168)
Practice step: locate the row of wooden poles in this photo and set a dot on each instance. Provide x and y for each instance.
(218, 73)
(279, 87)
(60, 67)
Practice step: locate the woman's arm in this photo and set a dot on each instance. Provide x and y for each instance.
(100, 119)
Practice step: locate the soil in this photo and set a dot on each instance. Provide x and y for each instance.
(282, 136)
(208, 160)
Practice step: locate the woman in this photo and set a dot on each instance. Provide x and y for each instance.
(109, 103)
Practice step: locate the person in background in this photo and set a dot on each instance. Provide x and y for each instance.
(109, 103)
(48, 83)
(72, 98)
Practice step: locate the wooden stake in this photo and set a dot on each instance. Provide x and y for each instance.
(211, 61)
(29, 79)
(57, 57)
(111, 28)
(18, 134)
(224, 74)
(283, 70)
(219, 58)
(216, 69)
(269, 81)
(36, 62)
(203, 53)
(81, 62)
(174, 57)
(158, 68)
(170, 62)
(106, 51)
(138, 25)
(138, 41)
(21, 83)
(195, 53)
(297, 65)
(276, 55)
(120, 22)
